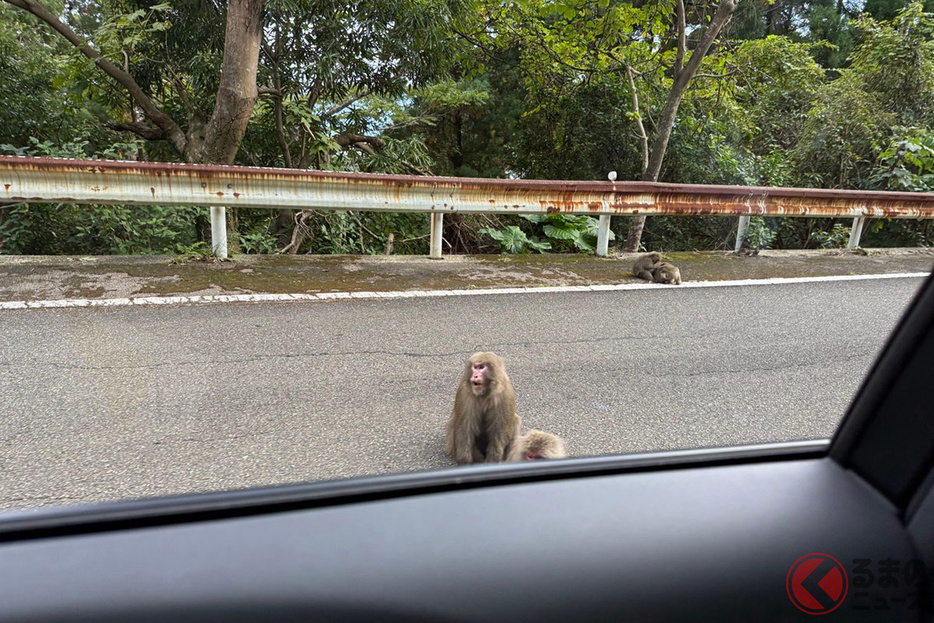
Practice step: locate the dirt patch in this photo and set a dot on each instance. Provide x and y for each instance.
(43, 278)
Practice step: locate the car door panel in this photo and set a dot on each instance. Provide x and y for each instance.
(701, 542)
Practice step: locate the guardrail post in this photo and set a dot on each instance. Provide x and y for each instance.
(856, 232)
(219, 232)
(603, 235)
(741, 228)
(437, 232)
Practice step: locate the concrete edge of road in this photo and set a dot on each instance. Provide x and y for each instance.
(405, 294)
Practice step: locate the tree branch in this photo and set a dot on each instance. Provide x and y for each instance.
(194, 111)
(364, 147)
(162, 120)
(280, 127)
(669, 113)
(347, 140)
(363, 227)
(416, 170)
(299, 233)
(682, 44)
(643, 137)
(349, 102)
(720, 18)
(144, 130)
(717, 22)
(718, 76)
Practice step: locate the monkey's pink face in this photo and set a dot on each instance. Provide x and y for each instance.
(479, 375)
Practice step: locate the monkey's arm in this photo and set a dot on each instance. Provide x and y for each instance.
(459, 442)
(496, 451)
(503, 429)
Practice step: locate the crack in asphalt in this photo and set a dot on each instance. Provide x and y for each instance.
(351, 353)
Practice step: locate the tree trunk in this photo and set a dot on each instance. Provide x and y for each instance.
(237, 91)
(236, 94)
(670, 112)
(285, 222)
(219, 140)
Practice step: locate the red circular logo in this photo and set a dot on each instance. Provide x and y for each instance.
(817, 583)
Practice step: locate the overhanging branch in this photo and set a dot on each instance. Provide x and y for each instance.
(162, 120)
(360, 141)
(140, 129)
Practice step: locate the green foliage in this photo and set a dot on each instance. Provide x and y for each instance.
(472, 122)
(777, 84)
(775, 167)
(41, 99)
(843, 132)
(759, 235)
(907, 164)
(128, 30)
(669, 233)
(836, 238)
(195, 252)
(63, 228)
(832, 34)
(396, 156)
(805, 94)
(708, 152)
(889, 83)
(898, 233)
(514, 240)
(580, 134)
(895, 62)
(257, 243)
(889, 9)
(569, 232)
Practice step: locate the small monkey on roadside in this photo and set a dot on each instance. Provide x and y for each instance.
(645, 265)
(666, 273)
(536, 445)
(483, 423)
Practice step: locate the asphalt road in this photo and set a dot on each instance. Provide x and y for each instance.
(100, 404)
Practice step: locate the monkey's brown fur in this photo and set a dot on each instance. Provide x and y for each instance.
(536, 445)
(645, 265)
(667, 273)
(483, 423)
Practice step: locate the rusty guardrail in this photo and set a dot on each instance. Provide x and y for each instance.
(100, 181)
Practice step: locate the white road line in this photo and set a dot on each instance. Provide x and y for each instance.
(330, 296)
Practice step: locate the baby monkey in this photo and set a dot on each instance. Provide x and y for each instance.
(537, 445)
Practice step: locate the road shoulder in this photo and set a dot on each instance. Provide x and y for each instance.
(45, 278)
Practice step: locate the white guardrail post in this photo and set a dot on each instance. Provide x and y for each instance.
(219, 232)
(856, 232)
(603, 235)
(741, 228)
(437, 234)
(603, 229)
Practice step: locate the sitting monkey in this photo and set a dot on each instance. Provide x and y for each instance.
(484, 423)
(645, 265)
